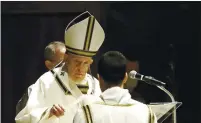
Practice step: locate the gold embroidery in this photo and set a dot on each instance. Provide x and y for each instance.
(87, 114)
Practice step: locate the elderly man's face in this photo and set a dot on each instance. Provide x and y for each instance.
(77, 66)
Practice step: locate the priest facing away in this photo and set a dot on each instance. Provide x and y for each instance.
(56, 92)
(115, 104)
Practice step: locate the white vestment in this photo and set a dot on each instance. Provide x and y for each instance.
(46, 92)
(115, 106)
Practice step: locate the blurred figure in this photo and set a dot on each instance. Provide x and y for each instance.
(54, 53)
(132, 84)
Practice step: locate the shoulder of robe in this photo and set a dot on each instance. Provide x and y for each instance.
(89, 99)
(47, 78)
(135, 102)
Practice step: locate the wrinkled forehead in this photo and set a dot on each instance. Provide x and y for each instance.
(78, 57)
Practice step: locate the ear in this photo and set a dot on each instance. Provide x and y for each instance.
(92, 61)
(89, 69)
(125, 78)
(48, 64)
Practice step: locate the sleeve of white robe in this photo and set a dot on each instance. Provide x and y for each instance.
(80, 116)
(36, 108)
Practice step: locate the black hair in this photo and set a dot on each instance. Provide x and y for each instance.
(112, 67)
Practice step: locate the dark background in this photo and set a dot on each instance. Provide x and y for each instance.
(163, 36)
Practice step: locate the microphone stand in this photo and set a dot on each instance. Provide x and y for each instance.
(172, 99)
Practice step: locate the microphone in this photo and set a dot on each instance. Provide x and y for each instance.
(134, 75)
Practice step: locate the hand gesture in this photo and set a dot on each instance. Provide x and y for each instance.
(57, 110)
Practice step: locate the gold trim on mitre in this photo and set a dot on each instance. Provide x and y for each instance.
(89, 33)
(80, 52)
(84, 35)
